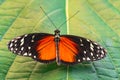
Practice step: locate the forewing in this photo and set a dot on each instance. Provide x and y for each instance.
(68, 50)
(80, 49)
(26, 45)
(46, 49)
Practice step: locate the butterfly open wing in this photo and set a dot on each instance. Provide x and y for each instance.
(37, 45)
(45, 49)
(74, 49)
(68, 50)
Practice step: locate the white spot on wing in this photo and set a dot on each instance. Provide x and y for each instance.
(91, 45)
(78, 60)
(26, 35)
(22, 48)
(22, 40)
(22, 43)
(32, 40)
(83, 58)
(102, 55)
(29, 47)
(80, 40)
(88, 40)
(15, 45)
(88, 58)
(15, 41)
(91, 54)
(11, 49)
(97, 55)
(29, 54)
(98, 51)
(33, 36)
(102, 52)
(81, 44)
(25, 54)
(84, 52)
(11, 44)
(16, 49)
(95, 43)
(98, 47)
(91, 48)
(34, 56)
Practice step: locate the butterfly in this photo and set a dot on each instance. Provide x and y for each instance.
(65, 49)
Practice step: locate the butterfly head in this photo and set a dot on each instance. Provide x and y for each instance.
(57, 32)
(57, 35)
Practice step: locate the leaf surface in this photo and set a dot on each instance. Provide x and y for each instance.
(97, 20)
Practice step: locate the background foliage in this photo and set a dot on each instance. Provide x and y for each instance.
(98, 20)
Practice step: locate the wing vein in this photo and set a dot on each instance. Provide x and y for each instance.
(47, 43)
(67, 45)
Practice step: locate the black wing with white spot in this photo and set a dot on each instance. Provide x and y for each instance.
(88, 50)
(25, 44)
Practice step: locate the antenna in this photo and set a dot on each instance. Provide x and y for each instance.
(67, 20)
(48, 17)
(53, 22)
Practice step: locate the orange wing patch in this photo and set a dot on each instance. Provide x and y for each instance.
(46, 48)
(68, 50)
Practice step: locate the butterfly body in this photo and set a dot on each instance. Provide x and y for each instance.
(65, 49)
(57, 40)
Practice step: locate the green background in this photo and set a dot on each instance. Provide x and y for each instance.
(98, 20)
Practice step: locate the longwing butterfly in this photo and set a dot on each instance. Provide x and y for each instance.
(66, 49)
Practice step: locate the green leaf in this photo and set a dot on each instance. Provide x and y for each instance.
(97, 20)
